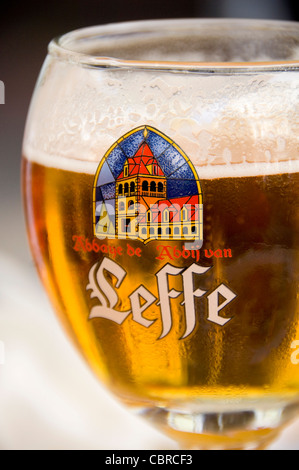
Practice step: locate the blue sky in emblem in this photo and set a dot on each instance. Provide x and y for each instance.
(116, 160)
(170, 161)
(181, 188)
(184, 172)
(99, 195)
(105, 175)
(131, 144)
(108, 191)
(157, 143)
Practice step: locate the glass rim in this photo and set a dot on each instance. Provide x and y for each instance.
(60, 47)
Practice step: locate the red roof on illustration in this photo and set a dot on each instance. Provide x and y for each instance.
(138, 164)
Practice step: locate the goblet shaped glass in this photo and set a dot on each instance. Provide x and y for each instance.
(161, 190)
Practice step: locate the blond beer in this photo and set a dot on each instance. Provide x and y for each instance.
(250, 245)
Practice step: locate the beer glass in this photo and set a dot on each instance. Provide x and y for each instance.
(161, 189)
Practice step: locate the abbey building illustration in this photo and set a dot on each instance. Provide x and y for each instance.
(154, 194)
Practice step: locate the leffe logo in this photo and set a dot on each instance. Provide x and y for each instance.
(146, 189)
(141, 299)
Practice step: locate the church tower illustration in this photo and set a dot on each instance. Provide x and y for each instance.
(146, 188)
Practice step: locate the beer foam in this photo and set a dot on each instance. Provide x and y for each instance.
(204, 172)
(229, 124)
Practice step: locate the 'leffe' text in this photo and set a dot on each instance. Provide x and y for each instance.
(141, 298)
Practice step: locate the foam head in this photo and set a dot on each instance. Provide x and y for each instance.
(230, 119)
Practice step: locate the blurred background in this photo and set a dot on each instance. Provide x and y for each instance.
(48, 398)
